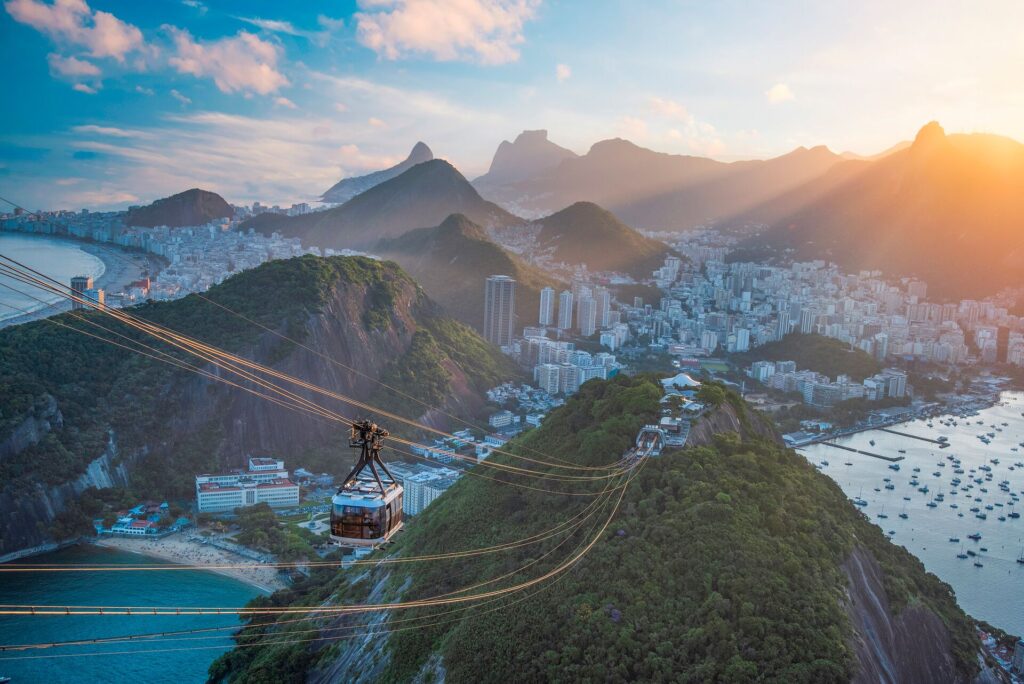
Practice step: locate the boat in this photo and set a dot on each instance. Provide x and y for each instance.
(955, 540)
(976, 536)
(978, 564)
(871, 442)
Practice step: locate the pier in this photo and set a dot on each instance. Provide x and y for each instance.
(891, 459)
(907, 434)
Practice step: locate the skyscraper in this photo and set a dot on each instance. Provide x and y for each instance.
(604, 306)
(587, 316)
(79, 284)
(499, 309)
(547, 306)
(565, 310)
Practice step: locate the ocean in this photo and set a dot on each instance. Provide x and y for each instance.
(178, 662)
(57, 257)
(993, 592)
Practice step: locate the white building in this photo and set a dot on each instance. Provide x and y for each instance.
(266, 481)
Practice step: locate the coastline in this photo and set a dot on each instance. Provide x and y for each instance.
(119, 270)
(181, 550)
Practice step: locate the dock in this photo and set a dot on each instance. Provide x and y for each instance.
(907, 434)
(891, 459)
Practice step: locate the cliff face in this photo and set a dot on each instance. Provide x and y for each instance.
(25, 513)
(746, 423)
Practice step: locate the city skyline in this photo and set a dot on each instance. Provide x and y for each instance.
(301, 96)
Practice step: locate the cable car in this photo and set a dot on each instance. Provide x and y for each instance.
(367, 509)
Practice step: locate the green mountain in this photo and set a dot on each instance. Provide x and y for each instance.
(584, 233)
(77, 414)
(451, 261)
(193, 207)
(730, 560)
(948, 209)
(423, 195)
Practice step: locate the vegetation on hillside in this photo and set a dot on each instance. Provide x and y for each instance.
(723, 563)
(814, 352)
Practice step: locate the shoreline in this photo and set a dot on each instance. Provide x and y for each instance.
(181, 550)
(120, 268)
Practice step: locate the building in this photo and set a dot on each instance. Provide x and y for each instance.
(586, 317)
(1018, 657)
(79, 286)
(547, 306)
(266, 481)
(565, 310)
(499, 310)
(500, 419)
(547, 375)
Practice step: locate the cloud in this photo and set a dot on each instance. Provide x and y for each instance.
(73, 23)
(196, 5)
(180, 98)
(71, 66)
(376, 123)
(109, 131)
(483, 31)
(779, 92)
(684, 128)
(631, 128)
(242, 63)
(83, 88)
(63, 182)
(285, 102)
(144, 91)
(340, 107)
(563, 72)
(327, 24)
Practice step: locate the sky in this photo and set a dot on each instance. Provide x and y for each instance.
(109, 103)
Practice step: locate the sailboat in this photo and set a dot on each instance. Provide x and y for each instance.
(1020, 558)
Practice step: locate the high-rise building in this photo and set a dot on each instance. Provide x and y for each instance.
(586, 316)
(499, 309)
(79, 284)
(604, 306)
(565, 310)
(547, 306)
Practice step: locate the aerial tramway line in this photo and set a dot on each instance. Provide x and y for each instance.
(367, 511)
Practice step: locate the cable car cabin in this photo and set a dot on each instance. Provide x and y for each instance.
(362, 516)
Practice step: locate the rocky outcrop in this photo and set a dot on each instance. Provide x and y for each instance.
(911, 646)
(27, 512)
(36, 425)
(726, 418)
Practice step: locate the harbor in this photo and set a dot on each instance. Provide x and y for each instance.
(957, 508)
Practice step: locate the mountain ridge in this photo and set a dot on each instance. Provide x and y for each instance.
(347, 188)
(194, 207)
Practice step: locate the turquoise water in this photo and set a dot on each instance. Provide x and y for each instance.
(58, 258)
(994, 592)
(145, 661)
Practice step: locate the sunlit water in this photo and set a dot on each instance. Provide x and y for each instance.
(994, 592)
(58, 258)
(152, 661)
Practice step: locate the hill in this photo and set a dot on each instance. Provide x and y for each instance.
(654, 190)
(347, 188)
(731, 560)
(584, 233)
(421, 196)
(193, 207)
(948, 209)
(818, 353)
(451, 261)
(76, 413)
(529, 155)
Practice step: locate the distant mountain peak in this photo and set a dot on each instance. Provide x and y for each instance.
(929, 134)
(347, 188)
(530, 155)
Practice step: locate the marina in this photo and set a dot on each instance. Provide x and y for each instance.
(959, 506)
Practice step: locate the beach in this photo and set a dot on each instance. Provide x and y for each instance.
(120, 268)
(182, 550)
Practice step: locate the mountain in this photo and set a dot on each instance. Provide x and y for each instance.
(948, 209)
(193, 207)
(451, 261)
(72, 427)
(730, 560)
(529, 155)
(347, 188)
(655, 190)
(421, 196)
(584, 233)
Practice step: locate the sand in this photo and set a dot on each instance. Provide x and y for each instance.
(183, 551)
